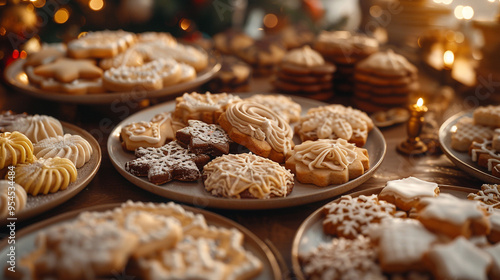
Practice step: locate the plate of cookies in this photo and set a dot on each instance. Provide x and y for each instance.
(102, 67)
(471, 140)
(409, 229)
(246, 151)
(140, 240)
(44, 162)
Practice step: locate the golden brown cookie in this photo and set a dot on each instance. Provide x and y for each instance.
(206, 107)
(67, 70)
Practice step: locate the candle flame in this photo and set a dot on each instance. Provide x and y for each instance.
(420, 102)
(448, 58)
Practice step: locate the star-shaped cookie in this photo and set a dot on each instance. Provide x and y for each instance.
(67, 70)
(203, 138)
(167, 163)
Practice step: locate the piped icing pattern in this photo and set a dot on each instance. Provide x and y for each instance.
(405, 193)
(343, 258)
(206, 107)
(254, 176)
(261, 123)
(46, 175)
(484, 154)
(37, 127)
(15, 148)
(304, 56)
(326, 154)
(72, 147)
(389, 63)
(8, 118)
(283, 105)
(489, 195)
(19, 198)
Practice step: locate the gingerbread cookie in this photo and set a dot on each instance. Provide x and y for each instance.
(206, 107)
(263, 55)
(483, 153)
(47, 54)
(66, 70)
(405, 193)
(7, 118)
(494, 235)
(325, 162)
(37, 127)
(167, 163)
(234, 76)
(247, 176)
(203, 138)
(11, 192)
(259, 129)
(342, 258)
(350, 216)
(283, 105)
(100, 44)
(15, 148)
(453, 217)
(489, 195)
(467, 132)
(72, 147)
(487, 116)
(76, 87)
(46, 175)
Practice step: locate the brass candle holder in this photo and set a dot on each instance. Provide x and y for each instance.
(413, 145)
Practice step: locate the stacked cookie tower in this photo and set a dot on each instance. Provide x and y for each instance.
(344, 50)
(384, 80)
(304, 71)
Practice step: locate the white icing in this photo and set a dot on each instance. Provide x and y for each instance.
(326, 154)
(410, 189)
(489, 195)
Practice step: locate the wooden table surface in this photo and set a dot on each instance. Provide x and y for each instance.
(276, 227)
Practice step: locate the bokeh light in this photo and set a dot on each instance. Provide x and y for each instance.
(270, 20)
(61, 16)
(96, 5)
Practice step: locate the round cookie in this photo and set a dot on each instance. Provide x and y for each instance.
(72, 147)
(345, 47)
(263, 55)
(386, 64)
(283, 105)
(45, 176)
(9, 189)
(247, 176)
(15, 148)
(326, 162)
(233, 76)
(258, 128)
(37, 127)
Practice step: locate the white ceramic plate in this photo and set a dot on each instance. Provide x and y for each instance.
(16, 77)
(462, 159)
(194, 193)
(25, 238)
(41, 203)
(310, 233)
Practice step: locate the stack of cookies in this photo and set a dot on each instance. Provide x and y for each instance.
(263, 55)
(304, 71)
(234, 76)
(384, 80)
(344, 50)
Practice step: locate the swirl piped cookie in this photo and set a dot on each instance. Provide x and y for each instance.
(247, 176)
(72, 147)
(258, 128)
(7, 189)
(37, 127)
(15, 148)
(325, 162)
(45, 176)
(283, 105)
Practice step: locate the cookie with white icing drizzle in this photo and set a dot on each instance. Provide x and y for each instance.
(45, 176)
(258, 128)
(169, 162)
(247, 176)
(15, 148)
(325, 162)
(72, 147)
(203, 138)
(489, 196)
(405, 193)
(7, 188)
(37, 127)
(281, 104)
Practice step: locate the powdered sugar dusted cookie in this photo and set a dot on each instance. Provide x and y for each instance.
(45, 176)
(405, 193)
(402, 244)
(352, 216)
(15, 148)
(72, 147)
(341, 259)
(7, 188)
(459, 259)
(8, 118)
(203, 138)
(324, 162)
(489, 195)
(247, 176)
(37, 127)
(169, 162)
(284, 106)
(453, 217)
(467, 132)
(101, 44)
(487, 116)
(206, 107)
(259, 129)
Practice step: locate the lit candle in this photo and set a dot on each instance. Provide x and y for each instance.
(413, 145)
(419, 107)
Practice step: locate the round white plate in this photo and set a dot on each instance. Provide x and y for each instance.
(25, 238)
(16, 77)
(41, 203)
(310, 233)
(462, 159)
(194, 193)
